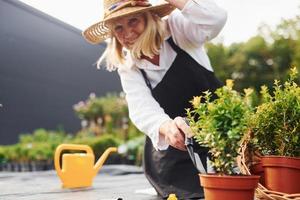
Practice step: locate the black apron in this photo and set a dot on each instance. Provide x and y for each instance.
(171, 170)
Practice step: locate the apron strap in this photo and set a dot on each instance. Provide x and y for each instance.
(146, 79)
(176, 48)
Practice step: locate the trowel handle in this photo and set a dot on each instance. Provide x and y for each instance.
(62, 147)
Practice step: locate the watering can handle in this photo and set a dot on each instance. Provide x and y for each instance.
(62, 147)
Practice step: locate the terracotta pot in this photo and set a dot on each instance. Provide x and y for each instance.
(257, 169)
(282, 174)
(217, 187)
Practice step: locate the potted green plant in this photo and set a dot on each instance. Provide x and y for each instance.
(276, 134)
(220, 125)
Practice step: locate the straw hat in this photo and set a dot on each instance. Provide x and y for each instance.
(114, 9)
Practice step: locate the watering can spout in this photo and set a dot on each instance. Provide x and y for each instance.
(103, 158)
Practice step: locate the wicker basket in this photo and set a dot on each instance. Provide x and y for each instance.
(246, 159)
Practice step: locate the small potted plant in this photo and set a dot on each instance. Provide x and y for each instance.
(220, 125)
(276, 134)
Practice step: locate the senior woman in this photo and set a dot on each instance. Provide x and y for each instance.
(162, 65)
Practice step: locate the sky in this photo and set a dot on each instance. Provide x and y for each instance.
(244, 16)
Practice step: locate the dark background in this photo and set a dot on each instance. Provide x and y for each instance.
(45, 68)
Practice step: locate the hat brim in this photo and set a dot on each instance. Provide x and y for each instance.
(98, 32)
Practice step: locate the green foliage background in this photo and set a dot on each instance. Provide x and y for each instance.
(261, 59)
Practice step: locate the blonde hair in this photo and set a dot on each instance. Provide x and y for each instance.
(148, 44)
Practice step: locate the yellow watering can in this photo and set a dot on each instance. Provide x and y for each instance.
(78, 169)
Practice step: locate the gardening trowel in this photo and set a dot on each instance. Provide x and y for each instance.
(189, 143)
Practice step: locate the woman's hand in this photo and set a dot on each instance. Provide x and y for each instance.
(177, 3)
(174, 132)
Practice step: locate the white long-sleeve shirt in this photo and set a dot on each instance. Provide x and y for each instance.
(198, 22)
